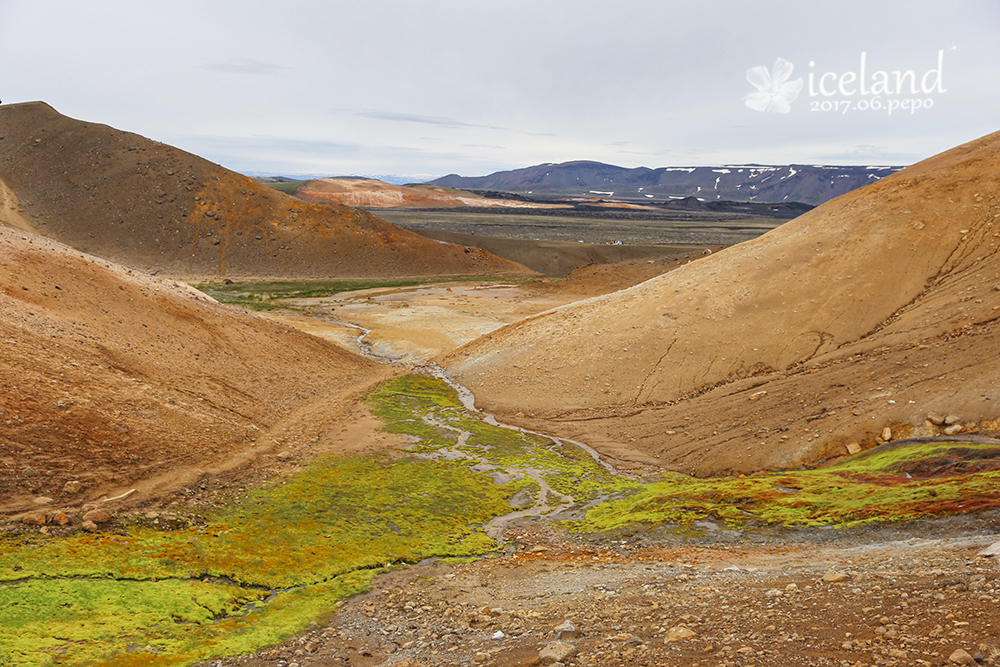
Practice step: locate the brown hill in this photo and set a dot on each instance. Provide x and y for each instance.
(122, 381)
(870, 311)
(376, 194)
(152, 206)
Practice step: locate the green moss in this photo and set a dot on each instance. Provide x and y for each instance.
(860, 489)
(154, 623)
(429, 410)
(308, 540)
(309, 528)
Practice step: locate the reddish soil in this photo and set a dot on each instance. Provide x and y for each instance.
(120, 381)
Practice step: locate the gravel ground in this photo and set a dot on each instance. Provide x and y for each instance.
(549, 599)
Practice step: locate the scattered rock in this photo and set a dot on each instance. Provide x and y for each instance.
(566, 630)
(97, 516)
(34, 518)
(677, 634)
(887, 434)
(960, 657)
(953, 429)
(556, 651)
(90, 526)
(61, 518)
(833, 577)
(936, 418)
(284, 456)
(73, 486)
(853, 448)
(43, 500)
(951, 419)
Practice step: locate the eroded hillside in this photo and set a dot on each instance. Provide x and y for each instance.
(115, 381)
(148, 205)
(868, 312)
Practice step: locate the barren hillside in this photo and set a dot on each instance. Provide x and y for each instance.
(145, 204)
(870, 311)
(120, 381)
(376, 194)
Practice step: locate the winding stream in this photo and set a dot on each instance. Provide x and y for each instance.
(542, 504)
(547, 499)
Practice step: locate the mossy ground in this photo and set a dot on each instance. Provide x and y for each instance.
(427, 408)
(868, 487)
(257, 572)
(250, 577)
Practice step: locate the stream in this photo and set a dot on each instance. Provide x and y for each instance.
(542, 505)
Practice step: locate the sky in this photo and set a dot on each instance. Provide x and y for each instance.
(419, 89)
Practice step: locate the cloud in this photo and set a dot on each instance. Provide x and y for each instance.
(261, 153)
(867, 153)
(414, 118)
(245, 66)
(265, 145)
(439, 121)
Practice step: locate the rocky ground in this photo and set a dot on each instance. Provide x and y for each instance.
(883, 597)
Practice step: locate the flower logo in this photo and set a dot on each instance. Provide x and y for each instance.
(774, 91)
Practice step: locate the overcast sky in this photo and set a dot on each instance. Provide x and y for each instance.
(423, 89)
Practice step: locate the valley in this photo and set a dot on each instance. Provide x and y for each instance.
(241, 428)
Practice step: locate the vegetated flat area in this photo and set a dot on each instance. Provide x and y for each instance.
(590, 226)
(556, 241)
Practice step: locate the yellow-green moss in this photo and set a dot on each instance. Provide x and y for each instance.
(323, 533)
(860, 489)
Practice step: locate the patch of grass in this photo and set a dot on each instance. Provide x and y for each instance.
(154, 623)
(288, 188)
(338, 516)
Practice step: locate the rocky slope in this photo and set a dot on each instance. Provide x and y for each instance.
(148, 205)
(116, 381)
(808, 184)
(868, 312)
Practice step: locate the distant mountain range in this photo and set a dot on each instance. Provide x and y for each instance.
(809, 184)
